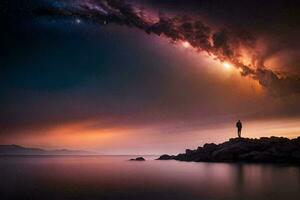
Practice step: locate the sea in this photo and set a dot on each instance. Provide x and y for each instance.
(115, 177)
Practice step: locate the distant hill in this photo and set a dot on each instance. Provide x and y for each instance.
(263, 150)
(20, 150)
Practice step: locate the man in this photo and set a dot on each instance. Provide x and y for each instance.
(239, 127)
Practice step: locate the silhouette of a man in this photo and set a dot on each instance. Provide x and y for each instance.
(239, 127)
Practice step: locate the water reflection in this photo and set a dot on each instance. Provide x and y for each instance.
(104, 177)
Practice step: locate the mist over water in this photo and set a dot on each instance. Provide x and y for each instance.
(114, 177)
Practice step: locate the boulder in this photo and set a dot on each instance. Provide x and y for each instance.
(138, 159)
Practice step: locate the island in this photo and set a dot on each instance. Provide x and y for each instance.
(14, 149)
(138, 159)
(262, 150)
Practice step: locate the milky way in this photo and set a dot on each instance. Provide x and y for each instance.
(222, 43)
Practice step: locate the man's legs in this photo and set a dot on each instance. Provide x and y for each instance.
(239, 132)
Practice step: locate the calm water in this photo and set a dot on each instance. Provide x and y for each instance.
(113, 177)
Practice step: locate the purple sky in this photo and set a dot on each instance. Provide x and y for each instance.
(125, 77)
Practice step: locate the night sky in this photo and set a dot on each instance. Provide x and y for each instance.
(147, 76)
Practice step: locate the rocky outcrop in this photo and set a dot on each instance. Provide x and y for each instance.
(263, 150)
(138, 159)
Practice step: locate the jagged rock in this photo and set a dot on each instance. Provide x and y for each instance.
(272, 150)
(199, 148)
(209, 147)
(296, 141)
(188, 151)
(138, 159)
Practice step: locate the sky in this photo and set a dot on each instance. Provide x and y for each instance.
(147, 76)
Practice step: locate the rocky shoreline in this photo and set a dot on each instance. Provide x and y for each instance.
(262, 150)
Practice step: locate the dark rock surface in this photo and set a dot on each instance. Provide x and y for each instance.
(263, 150)
(138, 159)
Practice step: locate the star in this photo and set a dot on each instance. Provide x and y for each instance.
(78, 21)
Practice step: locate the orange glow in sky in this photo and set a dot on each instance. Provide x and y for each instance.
(227, 65)
(186, 44)
(149, 140)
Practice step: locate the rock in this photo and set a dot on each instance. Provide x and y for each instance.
(248, 156)
(287, 147)
(138, 159)
(188, 151)
(166, 157)
(271, 150)
(296, 141)
(199, 149)
(209, 148)
(296, 155)
(262, 157)
(182, 157)
(224, 154)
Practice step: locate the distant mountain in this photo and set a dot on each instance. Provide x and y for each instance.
(19, 150)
